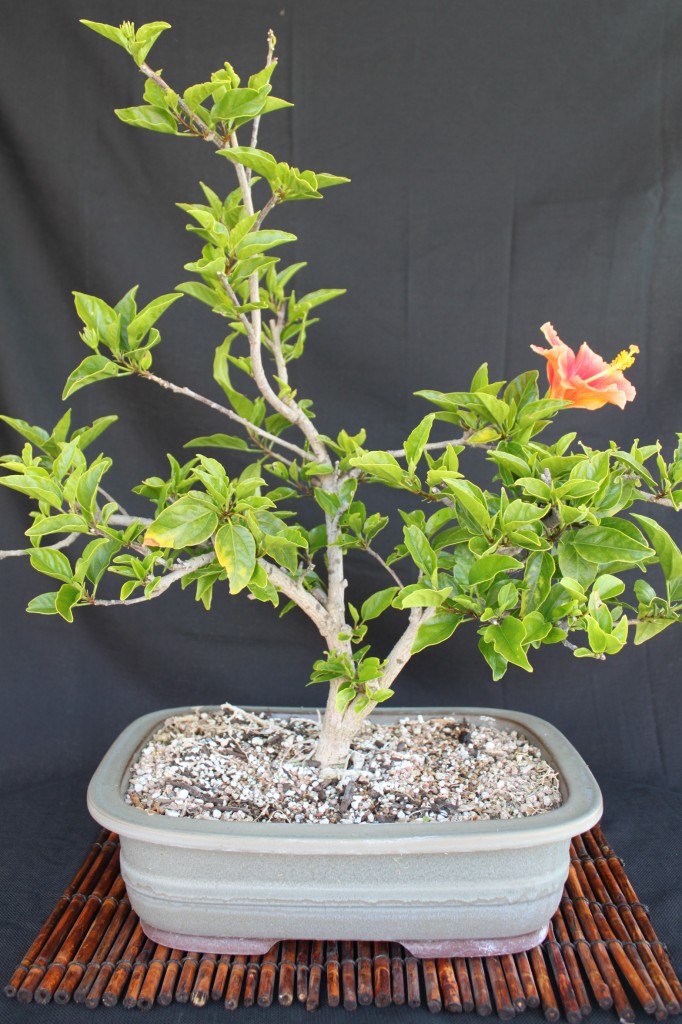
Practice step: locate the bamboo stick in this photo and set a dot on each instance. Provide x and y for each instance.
(664, 980)
(629, 962)
(581, 907)
(479, 985)
(76, 969)
(562, 979)
(625, 929)
(448, 985)
(110, 883)
(123, 968)
(548, 1001)
(153, 978)
(332, 966)
(202, 984)
(464, 984)
(431, 987)
(561, 934)
(287, 973)
(397, 975)
(220, 977)
(598, 983)
(117, 923)
(382, 975)
(348, 978)
(302, 957)
(41, 938)
(190, 966)
(315, 976)
(268, 976)
(170, 977)
(364, 968)
(234, 984)
(412, 976)
(65, 923)
(527, 980)
(138, 975)
(514, 985)
(251, 981)
(98, 984)
(498, 984)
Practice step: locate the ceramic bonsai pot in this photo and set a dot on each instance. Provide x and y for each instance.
(471, 888)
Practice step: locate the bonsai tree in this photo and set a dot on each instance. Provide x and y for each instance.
(544, 555)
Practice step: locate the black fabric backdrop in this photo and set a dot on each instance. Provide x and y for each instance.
(510, 163)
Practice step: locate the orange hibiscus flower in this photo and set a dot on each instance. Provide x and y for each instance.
(585, 379)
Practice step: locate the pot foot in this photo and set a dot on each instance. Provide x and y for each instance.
(208, 943)
(474, 947)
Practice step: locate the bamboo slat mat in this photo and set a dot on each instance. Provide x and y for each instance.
(601, 950)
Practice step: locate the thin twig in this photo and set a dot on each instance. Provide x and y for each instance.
(182, 569)
(399, 453)
(224, 411)
(268, 62)
(108, 497)
(64, 543)
(275, 333)
(380, 560)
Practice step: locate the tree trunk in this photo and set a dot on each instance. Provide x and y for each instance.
(337, 733)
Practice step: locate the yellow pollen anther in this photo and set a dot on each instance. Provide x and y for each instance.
(624, 360)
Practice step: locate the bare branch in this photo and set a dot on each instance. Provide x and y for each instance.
(290, 410)
(380, 560)
(181, 569)
(224, 411)
(432, 446)
(268, 62)
(276, 345)
(64, 543)
(655, 498)
(296, 592)
(108, 497)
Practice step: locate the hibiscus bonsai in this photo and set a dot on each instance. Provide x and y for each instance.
(543, 555)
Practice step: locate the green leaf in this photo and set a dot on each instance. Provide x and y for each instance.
(62, 523)
(52, 563)
(377, 603)
(646, 628)
(147, 317)
(497, 663)
(236, 103)
(669, 555)
(327, 180)
(489, 566)
(608, 586)
(86, 492)
(86, 435)
(108, 31)
(67, 597)
(93, 368)
(36, 435)
(145, 37)
(153, 118)
(508, 637)
(421, 552)
(328, 502)
(98, 315)
(436, 630)
(188, 521)
(37, 486)
(471, 498)
(382, 466)
(414, 446)
(257, 241)
(418, 596)
(602, 544)
(538, 580)
(236, 552)
(43, 604)
(260, 162)
(219, 441)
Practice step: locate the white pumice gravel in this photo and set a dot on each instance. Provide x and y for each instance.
(233, 765)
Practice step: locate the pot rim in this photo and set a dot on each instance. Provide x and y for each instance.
(581, 808)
